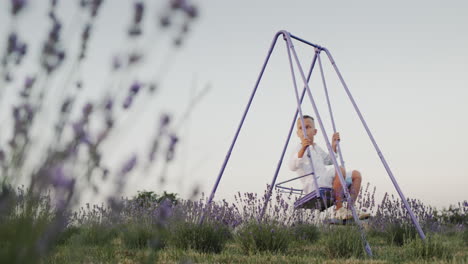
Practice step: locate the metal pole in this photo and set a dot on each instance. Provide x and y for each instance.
(228, 155)
(379, 153)
(302, 116)
(293, 123)
(338, 147)
(330, 150)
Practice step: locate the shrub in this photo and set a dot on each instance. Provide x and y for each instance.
(141, 236)
(25, 225)
(343, 242)
(256, 237)
(96, 235)
(147, 198)
(465, 236)
(65, 236)
(208, 237)
(304, 231)
(432, 247)
(397, 233)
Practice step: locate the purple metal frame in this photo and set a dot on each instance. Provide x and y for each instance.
(287, 36)
(329, 147)
(299, 109)
(379, 153)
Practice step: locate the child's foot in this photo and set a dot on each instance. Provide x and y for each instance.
(362, 214)
(343, 214)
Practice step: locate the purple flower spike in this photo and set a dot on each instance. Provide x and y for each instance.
(12, 42)
(60, 180)
(22, 48)
(78, 128)
(87, 109)
(165, 21)
(139, 8)
(116, 63)
(131, 163)
(165, 119)
(136, 86)
(191, 11)
(127, 102)
(29, 82)
(17, 5)
(108, 105)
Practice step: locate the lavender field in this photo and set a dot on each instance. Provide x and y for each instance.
(61, 130)
(151, 228)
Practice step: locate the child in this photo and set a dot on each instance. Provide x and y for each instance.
(324, 169)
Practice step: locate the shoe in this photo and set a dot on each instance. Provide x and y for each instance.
(343, 214)
(362, 214)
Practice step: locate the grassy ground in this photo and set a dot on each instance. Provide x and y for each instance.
(305, 252)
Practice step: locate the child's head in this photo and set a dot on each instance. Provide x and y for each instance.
(309, 127)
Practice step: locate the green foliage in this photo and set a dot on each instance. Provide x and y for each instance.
(456, 215)
(398, 233)
(304, 231)
(66, 234)
(140, 236)
(28, 224)
(96, 234)
(256, 237)
(343, 242)
(465, 236)
(432, 247)
(207, 237)
(147, 198)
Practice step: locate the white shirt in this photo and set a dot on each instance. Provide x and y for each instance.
(323, 166)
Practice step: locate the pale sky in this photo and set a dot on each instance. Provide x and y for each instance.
(405, 62)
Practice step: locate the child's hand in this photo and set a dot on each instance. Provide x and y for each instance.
(335, 139)
(305, 142)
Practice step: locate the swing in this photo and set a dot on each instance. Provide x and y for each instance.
(320, 198)
(314, 200)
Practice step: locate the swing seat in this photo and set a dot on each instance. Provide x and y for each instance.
(313, 200)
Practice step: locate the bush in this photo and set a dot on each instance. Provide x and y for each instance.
(304, 231)
(399, 233)
(208, 237)
(142, 236)
(343, 242)
(465, 236)
(432, 247)
(65, 236)
(256, 237)
(96, 235)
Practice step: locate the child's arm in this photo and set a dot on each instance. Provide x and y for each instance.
(335, 139)
(326, 156)
(304, 144)
(297, 156)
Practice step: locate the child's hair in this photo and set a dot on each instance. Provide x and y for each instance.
(306, 116)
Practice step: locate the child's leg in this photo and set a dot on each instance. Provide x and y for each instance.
(355, 185)
(354, 188)
(338, 189)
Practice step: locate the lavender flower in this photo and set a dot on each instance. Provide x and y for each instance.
(108, 104)
(17, 6)
(59, 179)
(127, 102)
(116, 63)
(129, 165)
(135, 87)
(29, 82)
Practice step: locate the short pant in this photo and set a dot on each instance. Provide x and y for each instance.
(349, 178)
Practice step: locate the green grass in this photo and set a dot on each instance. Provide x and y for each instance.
(299, 251)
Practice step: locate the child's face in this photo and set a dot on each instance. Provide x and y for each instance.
(309, 127)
